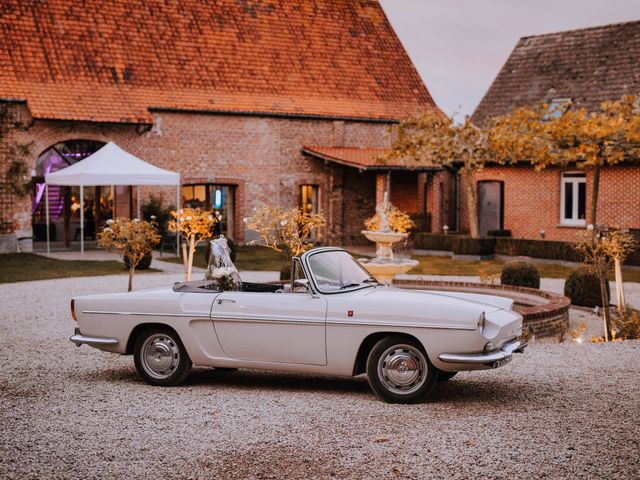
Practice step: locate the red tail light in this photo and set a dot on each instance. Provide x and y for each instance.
(73, 310)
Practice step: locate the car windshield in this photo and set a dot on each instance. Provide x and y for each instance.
(334, 271)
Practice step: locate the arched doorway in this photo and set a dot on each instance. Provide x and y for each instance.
(64, 202)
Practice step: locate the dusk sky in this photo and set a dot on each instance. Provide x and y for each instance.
(458, 46)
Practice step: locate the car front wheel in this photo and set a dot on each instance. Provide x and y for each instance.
(160, 357)
(399, 370)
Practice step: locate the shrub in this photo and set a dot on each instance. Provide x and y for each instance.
(520, 274)
(153, 209)
(499, 233)
(633, 258)
(473, 246)
(583, 287)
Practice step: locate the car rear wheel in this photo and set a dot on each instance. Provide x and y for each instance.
(160, 357)
(399, 370)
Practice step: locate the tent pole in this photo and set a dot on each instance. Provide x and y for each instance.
(178, 220)
(46, 201)
(138, 200)
(82, 220)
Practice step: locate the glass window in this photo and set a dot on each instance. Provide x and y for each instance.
(557, 107)
(334, 271)
(309, 204)
(220, 199)
(194, 196)
(573, 198)
(309, 198)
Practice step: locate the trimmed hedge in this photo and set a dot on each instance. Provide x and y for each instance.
(501, 245)
(499, 233)
(633, 258)
(474, 246)
(520, 274)
(434, 241)
(548, 249)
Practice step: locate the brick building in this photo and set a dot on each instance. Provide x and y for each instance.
(252, 102)
(574, 69)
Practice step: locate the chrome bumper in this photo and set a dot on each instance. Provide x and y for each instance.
(495, 359)
(80, 339)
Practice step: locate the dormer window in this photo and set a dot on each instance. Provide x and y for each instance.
(557, 107)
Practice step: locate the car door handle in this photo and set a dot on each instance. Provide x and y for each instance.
(225, 300)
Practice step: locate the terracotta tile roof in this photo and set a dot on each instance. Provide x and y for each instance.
(113, 60)
(587, 66)
(361, 158)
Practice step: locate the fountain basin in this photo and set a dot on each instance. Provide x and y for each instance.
(385, 270)
(383, 241)
(384, 237)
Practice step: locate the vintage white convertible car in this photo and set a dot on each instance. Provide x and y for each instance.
(334, 318)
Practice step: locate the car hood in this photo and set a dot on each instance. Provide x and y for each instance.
(473, 301)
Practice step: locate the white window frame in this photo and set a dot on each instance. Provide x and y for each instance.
(576, 181)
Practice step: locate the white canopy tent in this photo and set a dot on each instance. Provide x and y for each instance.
(110, 165)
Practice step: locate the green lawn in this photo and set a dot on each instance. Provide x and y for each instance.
(20, 267)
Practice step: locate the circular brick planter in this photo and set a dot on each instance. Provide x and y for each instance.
(544, 313)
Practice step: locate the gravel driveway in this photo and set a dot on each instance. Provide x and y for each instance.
(558, 411)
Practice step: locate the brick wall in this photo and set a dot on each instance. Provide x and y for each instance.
(260, 155)
(532, 200)
(405, 192)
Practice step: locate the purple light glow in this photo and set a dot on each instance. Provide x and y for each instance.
(40, 190)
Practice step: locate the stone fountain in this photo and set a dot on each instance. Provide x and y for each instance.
(384, 267)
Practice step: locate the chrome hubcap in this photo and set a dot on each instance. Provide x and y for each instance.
(160, 356)
(402, 369)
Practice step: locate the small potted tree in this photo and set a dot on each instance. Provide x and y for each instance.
(286, 231)
(195, 225)
(604, 249)
(133, 239)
